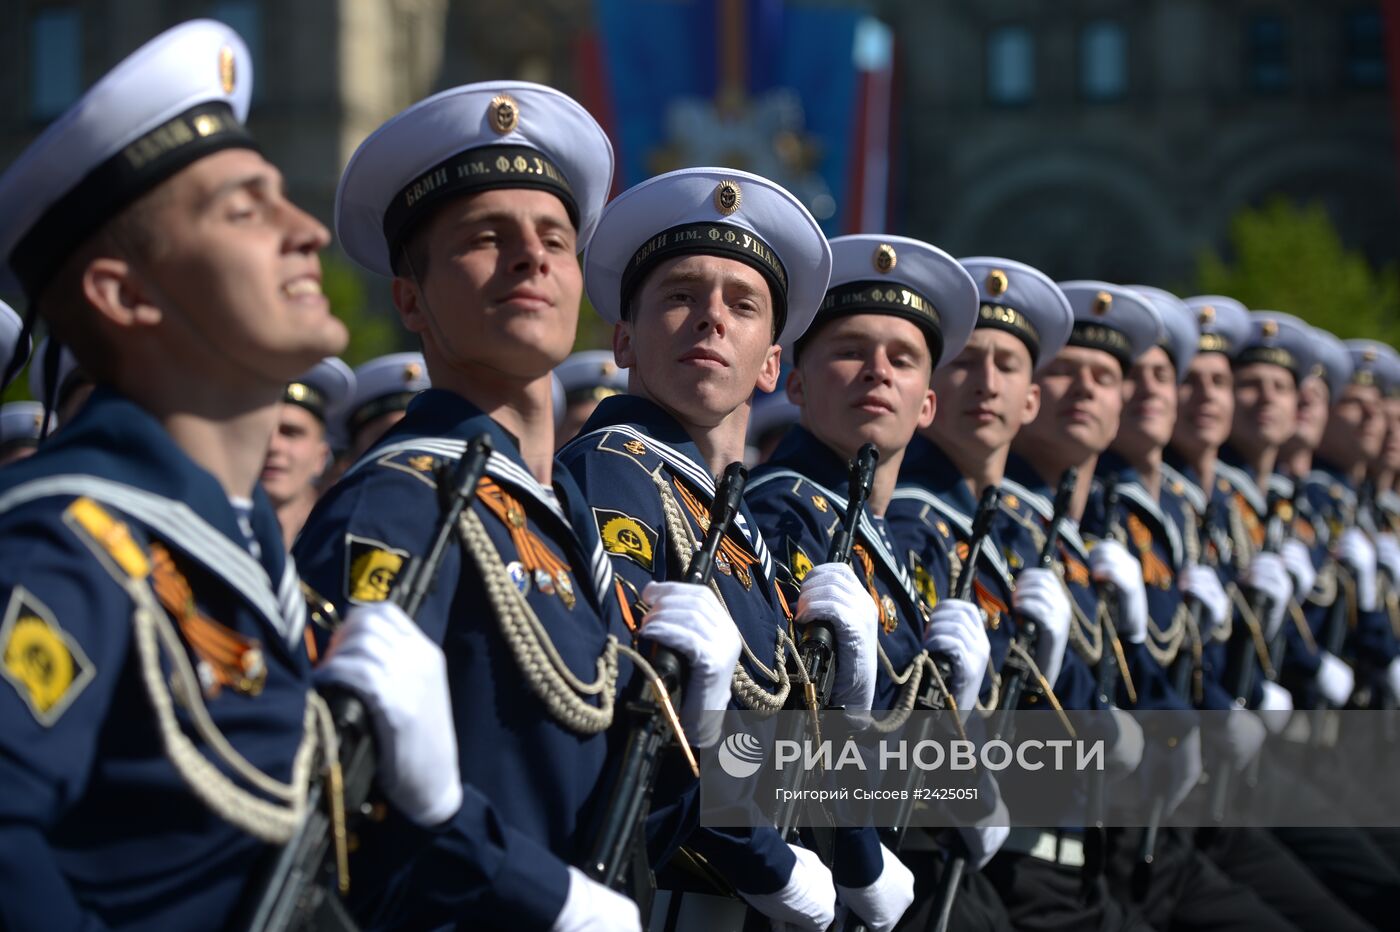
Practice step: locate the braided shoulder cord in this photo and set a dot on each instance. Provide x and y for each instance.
(273, 821)
(750, 693)
(546, 673)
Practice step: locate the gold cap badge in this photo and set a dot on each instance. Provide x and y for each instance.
(411, 372)
(997, 283)
(728, 197)
(227, 74)
(503, 113)
(885, 257)
(1368, 355)
(1207, 315)
(1269, 329)
(1102, 302)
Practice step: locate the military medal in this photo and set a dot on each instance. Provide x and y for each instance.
(889, 615)
(518, 576)
(723, 565)
(566, 589)
(544, 582)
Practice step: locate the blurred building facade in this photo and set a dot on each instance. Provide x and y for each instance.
(1105, 138)
(1115, 138)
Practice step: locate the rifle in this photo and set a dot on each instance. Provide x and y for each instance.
(1106, 671)
(1026, 633)
(818, 647)
(295, 894)
(1242, 654)
(1182, 670)
(652, 710)
(965, 590)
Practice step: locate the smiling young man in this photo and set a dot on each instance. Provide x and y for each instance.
(157, 723)
(477, 201)
(894, 309)
(299, 452)
(707, 275)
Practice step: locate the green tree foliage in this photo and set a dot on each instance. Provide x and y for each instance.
(373, 331)
(1289, 257)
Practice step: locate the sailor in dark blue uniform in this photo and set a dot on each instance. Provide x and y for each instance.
(985, 394)
(300, 451)
(158, 729)
(1198, 341)
(480, 226)
(1312, 668)
(709, 275)
(894, 309)
(1205, 411)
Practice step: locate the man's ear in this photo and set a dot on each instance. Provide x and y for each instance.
(408, 300)
(111, 286)
(1032, 403)
(623, 352)
(928, 410)
(796, 391)
(772, 368)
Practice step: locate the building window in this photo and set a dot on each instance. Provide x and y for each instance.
(244, 17)
(55, 61)
(1267, 43)
(1103, 60)
(1363, 48)
(1010, 65)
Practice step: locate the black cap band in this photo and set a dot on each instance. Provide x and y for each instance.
(1002, 317)
(1099, 337)
(384, 404)
(713, 239)
(308, 397)
(893, 299)
(481, 169)
(114, 184)
(1269, 355)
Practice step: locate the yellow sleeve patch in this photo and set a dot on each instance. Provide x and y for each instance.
(44, 664)
(798, 561)
(370, 569)
(627, 536)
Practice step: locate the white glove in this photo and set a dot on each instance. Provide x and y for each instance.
(985, 840)
(1244, 736)
(1275, 707)
(1298, 561)
(1202, 583)
(1041, 597)
(1392, 678)
(690, 621)
(1110, 562)
(882, 903)
(957, 633)
(386, 660)
(1354, 549)
(1184, 766)
(1267, 574)
(807, 901)
(831, 592)
(1388, 555)
(1125, 753)
(592, 907)
(1335, 680)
